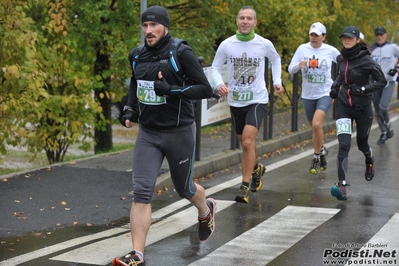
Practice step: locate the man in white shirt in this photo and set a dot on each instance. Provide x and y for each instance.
(245, 54)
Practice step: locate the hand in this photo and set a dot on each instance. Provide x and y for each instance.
(334, 92)
(392, 72)
(161, 86)
(355, 88)
(223, 90)
(127, 119)
(279, 88)
(302, 64)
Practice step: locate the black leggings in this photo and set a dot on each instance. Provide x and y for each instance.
(362, 115)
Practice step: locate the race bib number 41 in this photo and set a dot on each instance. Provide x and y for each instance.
(344, 126)
(146, 93)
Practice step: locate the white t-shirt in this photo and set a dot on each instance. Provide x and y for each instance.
(387, 57)
(316, 76)
(246, 69)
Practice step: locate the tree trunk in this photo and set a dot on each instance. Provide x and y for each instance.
(103, 137)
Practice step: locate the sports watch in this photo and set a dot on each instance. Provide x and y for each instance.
(127, 108)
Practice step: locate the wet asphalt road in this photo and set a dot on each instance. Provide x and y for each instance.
(51, 206)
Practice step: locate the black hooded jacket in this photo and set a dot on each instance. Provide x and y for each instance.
(177, 110)
(358, 70)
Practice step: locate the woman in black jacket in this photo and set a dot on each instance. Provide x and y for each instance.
(359, 76)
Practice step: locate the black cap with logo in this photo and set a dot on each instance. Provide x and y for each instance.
(351, 32)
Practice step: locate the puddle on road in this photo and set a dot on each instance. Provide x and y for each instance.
(14, 246)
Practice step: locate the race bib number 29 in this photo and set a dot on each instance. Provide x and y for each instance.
(146, 93)
(344, 126)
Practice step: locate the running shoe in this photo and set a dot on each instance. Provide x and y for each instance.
(339, 191)
(207, 225)
(323, 160)
(256, 182)
(130, 259)
(315, 166)
(369, 174)
(390, 131)
(383, 138)
(243, 194)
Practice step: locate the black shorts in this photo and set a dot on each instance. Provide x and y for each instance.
(249, 115)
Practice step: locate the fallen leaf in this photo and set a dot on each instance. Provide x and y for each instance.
(17, 201)
(48, 169)
(42, 209)
(75, 223)
(18, 214)
(53, 207)
(122, 198)
(89, 224)
(63, 203)
(5, 180)
(57, 224)
(67, 209)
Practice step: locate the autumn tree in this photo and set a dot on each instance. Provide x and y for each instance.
(21, 76)
(57, 54)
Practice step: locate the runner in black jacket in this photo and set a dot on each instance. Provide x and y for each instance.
(163, 102)
(359, 76)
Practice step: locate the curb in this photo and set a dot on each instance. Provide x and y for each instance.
(233, 157)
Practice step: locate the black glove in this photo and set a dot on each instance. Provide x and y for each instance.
(392, 72)
(334, 92)
(129, 115)
(355, 88)
(162, 87)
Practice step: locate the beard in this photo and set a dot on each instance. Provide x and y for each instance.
(154, 39)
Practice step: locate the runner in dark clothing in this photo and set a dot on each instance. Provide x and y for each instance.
(162, 99)
(359, 76)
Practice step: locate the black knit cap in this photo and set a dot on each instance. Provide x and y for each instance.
(157, 14)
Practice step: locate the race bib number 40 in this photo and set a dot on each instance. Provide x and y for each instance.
(146, 93)
(344, 126)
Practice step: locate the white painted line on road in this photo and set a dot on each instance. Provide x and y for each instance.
(266, 241)
(57, 247)
(102, 252)
(388, 235)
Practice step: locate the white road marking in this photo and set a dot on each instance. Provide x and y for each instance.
(385, 240)
(266, 241)
(104, 251)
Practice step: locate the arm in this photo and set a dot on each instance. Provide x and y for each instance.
(378, 81)
(294, 66)
(275, 60)
(199, 87)
(131, 113)
(218, 61)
